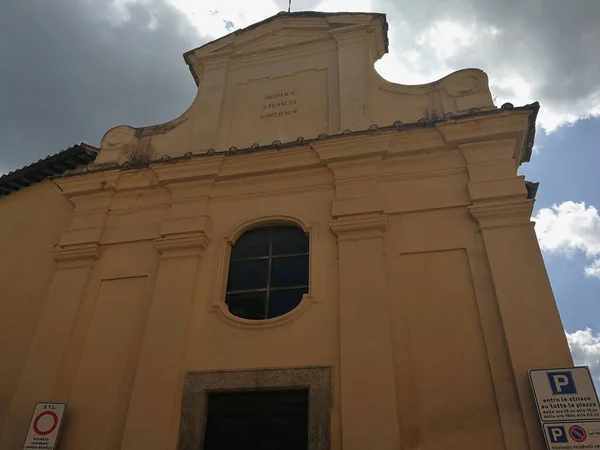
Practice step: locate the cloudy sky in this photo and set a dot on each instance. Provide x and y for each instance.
(72, 69)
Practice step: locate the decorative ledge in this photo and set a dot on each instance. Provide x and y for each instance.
(508, 214)
(366, 145)
(173, 246)
(238, 322)
(92, 182)
(188, 170)
(76, 256)
(359, 227)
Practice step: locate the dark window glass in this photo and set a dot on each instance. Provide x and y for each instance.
(268, 272)
(249, 274)
(247, 306)
(257, 420)
(284, 301)
(289, 241)
(251, 244)
(289, 271)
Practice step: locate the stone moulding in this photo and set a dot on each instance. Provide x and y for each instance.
(221, 272)
(198, 385)
(213, 164)
(359, 227)
(506, 214)
(171, 246)
(76, 256)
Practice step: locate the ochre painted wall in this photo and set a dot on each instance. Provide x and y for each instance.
(31, 221)
(422, 325)
(428, 296)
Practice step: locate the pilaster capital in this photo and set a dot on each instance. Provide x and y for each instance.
(507, 214)
(80, 255)
(367, 226)
(194, 169)
(88, 183)
(487, 151)
(367, 145)
(181, 245)
(349, 35)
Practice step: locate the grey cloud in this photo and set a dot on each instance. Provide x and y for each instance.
(552, 44)
(69, 72)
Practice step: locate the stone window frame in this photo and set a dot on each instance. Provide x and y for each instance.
(218, 304)
(197, 385)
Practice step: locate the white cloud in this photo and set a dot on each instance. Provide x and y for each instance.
(585, 348)
(211, 18)
(593, 270)
(568, 228)
(532, 50)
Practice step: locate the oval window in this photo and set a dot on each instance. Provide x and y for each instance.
(268, 272)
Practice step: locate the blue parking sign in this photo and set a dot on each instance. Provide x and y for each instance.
(562, 383)
(556, 434)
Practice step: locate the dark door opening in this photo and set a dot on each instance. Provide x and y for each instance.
(257, 420)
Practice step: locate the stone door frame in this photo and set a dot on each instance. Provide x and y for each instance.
(197, 385)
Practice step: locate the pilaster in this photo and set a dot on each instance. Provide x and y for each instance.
(160, 372)
(366, 363)
(209, 104)
(77, 252)
(353, 64)
(531, 324)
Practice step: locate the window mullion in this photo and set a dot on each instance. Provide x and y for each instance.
(268, 298)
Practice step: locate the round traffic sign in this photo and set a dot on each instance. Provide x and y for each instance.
(578, 433)
(43, 425)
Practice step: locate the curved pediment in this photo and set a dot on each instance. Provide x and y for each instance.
(291, 75)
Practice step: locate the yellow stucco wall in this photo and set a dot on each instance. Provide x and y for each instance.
(30, 225)
(428, 295)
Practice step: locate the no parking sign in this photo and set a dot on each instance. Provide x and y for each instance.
(45, 426)
(561, 435)
(568, 407)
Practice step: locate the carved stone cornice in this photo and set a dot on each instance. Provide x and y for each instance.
(507, 214)
(502, 190)
(354, 227)
(174, 246)
(195, 169)
(88, 183)
(488, 151)
(353, 146)
(76, 255)
(505, 126)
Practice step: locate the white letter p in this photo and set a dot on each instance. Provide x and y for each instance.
(560, 381)
(556, 433)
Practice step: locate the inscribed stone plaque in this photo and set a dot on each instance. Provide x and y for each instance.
(282, 108)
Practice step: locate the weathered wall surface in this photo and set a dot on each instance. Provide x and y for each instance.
(31, 221)
(415, 299)
(295, 77)
(428, 297)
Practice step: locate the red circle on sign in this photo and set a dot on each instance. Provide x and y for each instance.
(577, 433)
(49, 430)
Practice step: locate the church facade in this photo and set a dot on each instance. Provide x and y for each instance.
(309, 257)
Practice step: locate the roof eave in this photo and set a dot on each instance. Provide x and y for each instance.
(53, 165)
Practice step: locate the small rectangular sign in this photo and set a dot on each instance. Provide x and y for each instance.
(45, 426)
(572, 435)
(563, 395)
